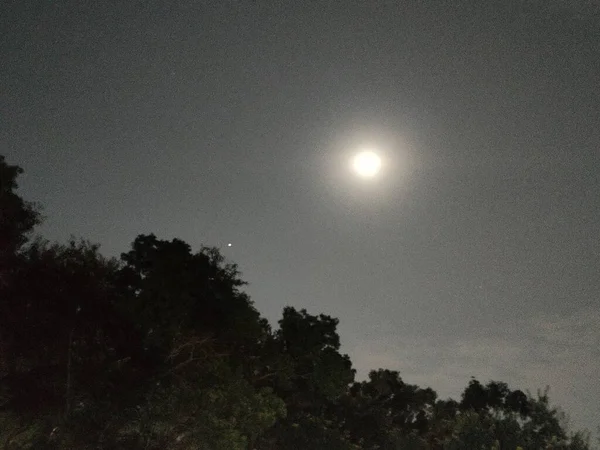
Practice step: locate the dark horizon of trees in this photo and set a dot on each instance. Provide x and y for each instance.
(162, 349)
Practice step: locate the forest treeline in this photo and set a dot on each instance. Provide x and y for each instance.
(162, 349)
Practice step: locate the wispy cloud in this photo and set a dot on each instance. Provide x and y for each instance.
(562, 352)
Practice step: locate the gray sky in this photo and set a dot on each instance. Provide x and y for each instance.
(474, 253)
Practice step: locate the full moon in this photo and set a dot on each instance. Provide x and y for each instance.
(367, 164)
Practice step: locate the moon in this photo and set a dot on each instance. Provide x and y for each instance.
(367, 164)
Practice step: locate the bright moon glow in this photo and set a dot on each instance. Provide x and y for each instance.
(367, 164)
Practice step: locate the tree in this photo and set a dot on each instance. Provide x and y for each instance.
(163, 350)
(385, 412)
(309, 375)
(17, 217)
(199, 403)
(62, 336)
(173, 290)
(493, 416)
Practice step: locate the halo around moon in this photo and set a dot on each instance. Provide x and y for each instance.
(367, 164)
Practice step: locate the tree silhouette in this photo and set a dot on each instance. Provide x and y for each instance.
(162, 349)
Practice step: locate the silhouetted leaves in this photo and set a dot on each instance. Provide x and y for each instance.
(163, 350)
(17, 217)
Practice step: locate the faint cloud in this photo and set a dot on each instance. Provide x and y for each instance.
(546, 350)
(579, 328)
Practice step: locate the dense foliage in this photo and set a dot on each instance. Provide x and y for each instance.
(161, 349)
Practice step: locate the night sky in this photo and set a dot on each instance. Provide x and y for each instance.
(475, 251)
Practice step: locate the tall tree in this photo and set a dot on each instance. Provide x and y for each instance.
(17, 218)
(310, 375)
(173, 290)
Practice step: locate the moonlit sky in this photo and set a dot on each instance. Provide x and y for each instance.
(475, 251)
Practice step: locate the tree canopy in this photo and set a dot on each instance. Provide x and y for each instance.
(162, 349)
